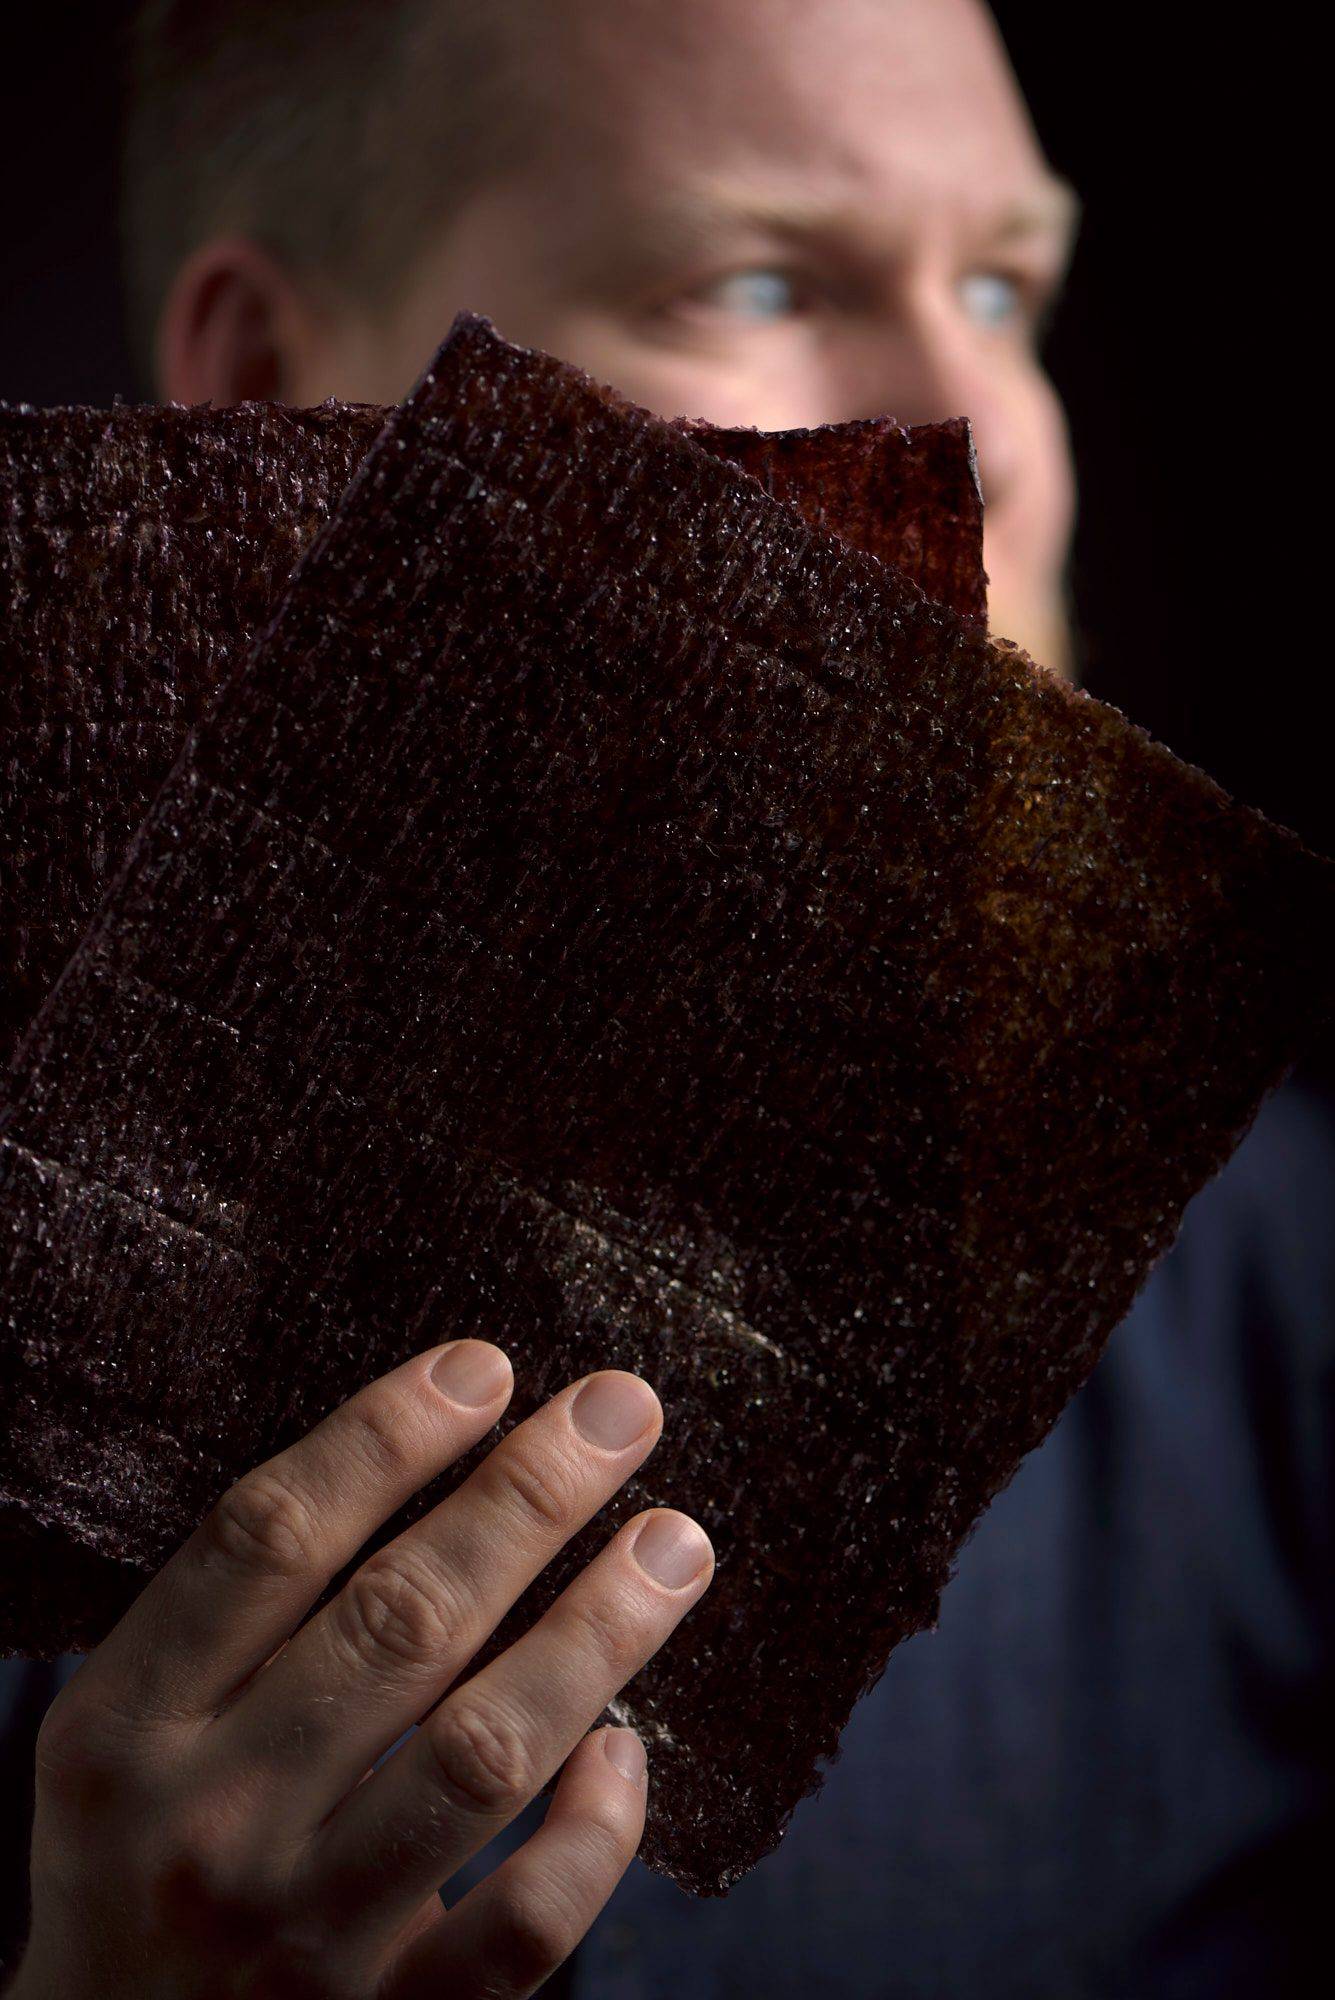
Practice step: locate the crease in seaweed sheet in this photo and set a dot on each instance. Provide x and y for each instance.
(143, 548)
(608, 911)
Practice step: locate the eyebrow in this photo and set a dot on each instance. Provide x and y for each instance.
(1054, 209)
(687, 222)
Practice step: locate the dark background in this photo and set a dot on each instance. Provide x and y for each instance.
(1185, 351)
(1178, 349)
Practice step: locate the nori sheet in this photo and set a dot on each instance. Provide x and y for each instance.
(607, 913)
(142, 548)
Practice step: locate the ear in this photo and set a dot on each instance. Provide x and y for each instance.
(234, 328)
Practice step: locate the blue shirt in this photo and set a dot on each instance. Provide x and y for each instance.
(1106, 1775)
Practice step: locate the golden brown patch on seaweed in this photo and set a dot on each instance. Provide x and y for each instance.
(609, 911)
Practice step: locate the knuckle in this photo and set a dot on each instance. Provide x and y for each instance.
(540, 1486)
(384, 1440)
(71, 1752)
(610, 1827)
(90, 1754)
(605, 1627)
(263, 1527)
(532, 1936)
(480, 1758)
(204, 1896)
(385, 1610)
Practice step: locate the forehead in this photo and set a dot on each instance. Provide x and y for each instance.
(903, 100)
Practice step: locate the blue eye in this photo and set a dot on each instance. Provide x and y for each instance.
(756, 295)
(990, 298)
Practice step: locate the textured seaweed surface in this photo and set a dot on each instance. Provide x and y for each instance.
(142, 548)
(907, 495)
(611, 914)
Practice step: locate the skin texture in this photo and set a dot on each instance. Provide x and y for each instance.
(768, 212)
(208, 1818)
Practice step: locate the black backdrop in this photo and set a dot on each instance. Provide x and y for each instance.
(1179, 349)
(1184, 351)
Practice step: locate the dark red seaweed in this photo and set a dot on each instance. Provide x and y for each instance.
(608, 913)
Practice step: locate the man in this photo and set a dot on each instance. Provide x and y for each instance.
(1099, 1777)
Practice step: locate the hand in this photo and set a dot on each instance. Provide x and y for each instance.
(209, 1823)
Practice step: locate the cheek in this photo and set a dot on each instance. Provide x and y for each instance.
(363, 361)
(1030, 531)
(1026, 537)
(764, 389)
(671, 385)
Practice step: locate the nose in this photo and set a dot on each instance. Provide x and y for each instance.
(934, 365)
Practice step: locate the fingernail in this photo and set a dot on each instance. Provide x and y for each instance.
(612, 1410)
(623, 1748)
(471, 1372)
(672, 1549)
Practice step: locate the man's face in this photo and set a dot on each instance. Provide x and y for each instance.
(776, 212)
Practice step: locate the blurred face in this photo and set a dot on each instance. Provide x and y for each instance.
(776, 212)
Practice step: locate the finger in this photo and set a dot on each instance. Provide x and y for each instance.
(258, 1561)
(512, 1932)
(383, 1652)
(490, 1746)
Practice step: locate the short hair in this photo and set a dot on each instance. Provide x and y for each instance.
(337, 133)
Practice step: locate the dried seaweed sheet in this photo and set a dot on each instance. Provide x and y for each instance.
(142, 549)
(609, 913)
(907, 494)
